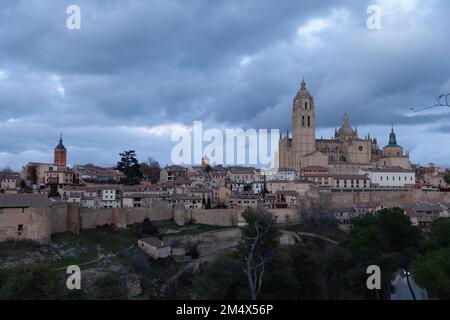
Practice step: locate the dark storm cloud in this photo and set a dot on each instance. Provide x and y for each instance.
(139, 63)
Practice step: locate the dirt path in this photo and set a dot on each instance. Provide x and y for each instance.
(100, 258)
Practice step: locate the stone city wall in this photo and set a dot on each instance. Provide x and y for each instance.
(122, 217)
(35, 225)
(389, 198)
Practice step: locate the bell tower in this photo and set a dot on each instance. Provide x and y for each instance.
(303, 126)
(60, 155)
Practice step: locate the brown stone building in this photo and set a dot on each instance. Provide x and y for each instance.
(345, 153)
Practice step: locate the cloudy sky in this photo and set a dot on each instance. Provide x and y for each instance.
(138, 70)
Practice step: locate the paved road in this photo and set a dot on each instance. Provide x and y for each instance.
(402, 290)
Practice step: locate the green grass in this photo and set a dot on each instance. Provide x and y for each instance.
(83, 258)
(327, 231)
(17, 249)
(109, 240)
(167, 224)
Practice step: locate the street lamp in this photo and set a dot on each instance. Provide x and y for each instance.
(408, 274)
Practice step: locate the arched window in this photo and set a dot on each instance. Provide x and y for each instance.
(306, 105)
(303, 120)
(309, 121)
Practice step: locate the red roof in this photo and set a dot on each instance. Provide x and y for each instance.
(367, 205)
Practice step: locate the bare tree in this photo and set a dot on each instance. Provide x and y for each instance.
(151, 170)
(316, 208)
(260, 240)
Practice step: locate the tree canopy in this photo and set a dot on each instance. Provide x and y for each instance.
(432, 270)
(129, 165)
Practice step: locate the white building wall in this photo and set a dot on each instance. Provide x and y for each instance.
(394, 179)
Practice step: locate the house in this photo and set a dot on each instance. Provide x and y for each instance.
(344, 217)
(90, 203)
(189, 202)
(391, 178)
(351, 182)
(363, 208)
(173, 173)
(9, 181)
(241, 175)
(243, 200)
(317, 175)
(423, 214)
(95, 174)
(220, 195)
(257, 187)
(155, 248)
(58, 176)
(283, 174)
(110, 196)
(34, 173)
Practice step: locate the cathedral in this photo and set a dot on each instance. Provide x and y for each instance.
(345, 153)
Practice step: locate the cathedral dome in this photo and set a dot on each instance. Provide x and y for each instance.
(345, 130)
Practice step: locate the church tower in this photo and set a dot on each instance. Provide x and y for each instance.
(303, 126)
(60, 155)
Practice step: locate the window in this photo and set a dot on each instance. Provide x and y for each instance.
(303, 121)
(306, 105)
(19, 229)
(309, 121)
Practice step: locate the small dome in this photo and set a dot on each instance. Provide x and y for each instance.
(392, 140)
(345, 129)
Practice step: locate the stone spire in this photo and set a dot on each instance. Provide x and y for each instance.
(60, 145)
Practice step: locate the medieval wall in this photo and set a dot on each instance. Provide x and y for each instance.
(58, 218)
(121, 217)
(35, 225)
(347, 199)
(216, 217)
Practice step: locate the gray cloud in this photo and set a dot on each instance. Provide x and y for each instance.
(138, 63)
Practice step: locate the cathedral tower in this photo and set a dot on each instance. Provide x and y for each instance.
(60, 155)
(303, 126)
